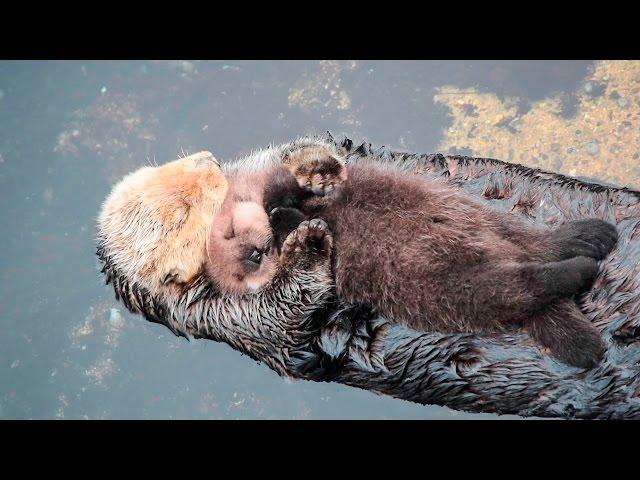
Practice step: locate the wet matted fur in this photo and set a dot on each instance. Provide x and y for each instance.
(500, 373)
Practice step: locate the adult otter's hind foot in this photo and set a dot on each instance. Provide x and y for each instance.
(589, 238)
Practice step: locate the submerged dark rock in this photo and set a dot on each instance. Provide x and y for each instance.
(499, 373)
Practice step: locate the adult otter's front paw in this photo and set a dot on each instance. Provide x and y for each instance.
(308, 244)
(317, 170)
(588, 238)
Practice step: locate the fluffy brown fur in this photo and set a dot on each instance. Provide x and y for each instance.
(425, 254)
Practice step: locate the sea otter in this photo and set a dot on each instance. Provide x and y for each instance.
(154, 224)
(152, 234)
(419, 252)
(497, 373)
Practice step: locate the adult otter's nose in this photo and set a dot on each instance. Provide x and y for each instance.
(203, 159)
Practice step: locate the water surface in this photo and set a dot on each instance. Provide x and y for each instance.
(71, 129)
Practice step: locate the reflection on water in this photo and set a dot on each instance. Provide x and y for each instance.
(597, 134)
(70, 129)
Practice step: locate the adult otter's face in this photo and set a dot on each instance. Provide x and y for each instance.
(154, 224)
(241, 252)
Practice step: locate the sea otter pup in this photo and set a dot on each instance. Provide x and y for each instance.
(419, 252)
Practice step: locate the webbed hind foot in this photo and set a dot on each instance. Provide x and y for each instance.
(562, 279)
(567, 335)
(590, 237)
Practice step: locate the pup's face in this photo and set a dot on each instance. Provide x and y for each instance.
(154, 224)
(241, 252)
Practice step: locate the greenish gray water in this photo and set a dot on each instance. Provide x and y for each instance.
(71, 129)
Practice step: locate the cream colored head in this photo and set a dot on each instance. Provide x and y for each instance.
(154, 224)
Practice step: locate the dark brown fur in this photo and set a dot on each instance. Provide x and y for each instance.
(427, 255)
(419, 252)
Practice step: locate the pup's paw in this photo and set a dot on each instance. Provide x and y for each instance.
(580, 272)
(585, 349)
(310, 243)
(566, 277)
(317, 170)
(569, 336)
(589, 238)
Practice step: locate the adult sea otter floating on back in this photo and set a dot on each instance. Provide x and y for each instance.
(503, 373)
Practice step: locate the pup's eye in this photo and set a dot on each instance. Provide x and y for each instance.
(256, 256)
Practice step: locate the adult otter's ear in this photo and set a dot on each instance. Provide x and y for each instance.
(175, 276)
